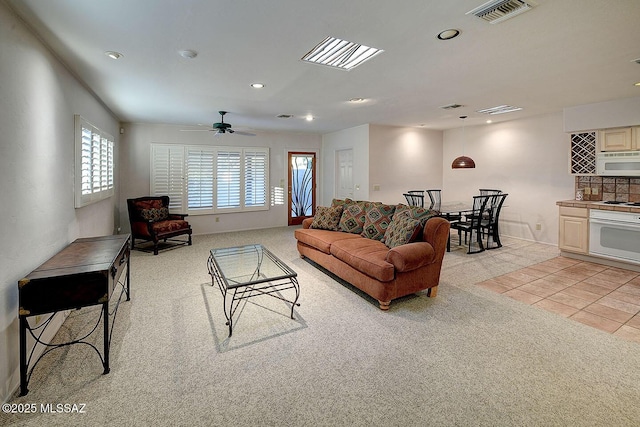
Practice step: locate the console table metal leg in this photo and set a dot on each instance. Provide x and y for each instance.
(105, 308)
(23, 356)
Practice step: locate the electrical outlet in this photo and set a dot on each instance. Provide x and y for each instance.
(587, 190)
(594, 190)
(538, 226)
(217, 219)
(376, 187)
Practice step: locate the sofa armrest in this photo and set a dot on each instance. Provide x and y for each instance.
(410, 256)
(306, 223)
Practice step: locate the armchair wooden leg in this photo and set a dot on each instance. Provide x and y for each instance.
(189, 239)
(384, 305)
(432, 292)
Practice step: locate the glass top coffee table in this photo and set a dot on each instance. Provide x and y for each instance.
(244, 272)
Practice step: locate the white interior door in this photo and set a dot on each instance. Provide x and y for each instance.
(344, 174)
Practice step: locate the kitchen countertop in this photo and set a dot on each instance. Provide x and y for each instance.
(597, 205)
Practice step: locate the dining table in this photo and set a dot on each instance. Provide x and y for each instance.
(452, 211)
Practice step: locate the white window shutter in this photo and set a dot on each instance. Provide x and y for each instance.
(228, 174)
(255, 177)
(167, 174)
(200, 178)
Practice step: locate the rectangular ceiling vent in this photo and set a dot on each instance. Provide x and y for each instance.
(451, 106)
(497, 11)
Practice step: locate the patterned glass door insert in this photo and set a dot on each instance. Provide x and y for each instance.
(301, 186)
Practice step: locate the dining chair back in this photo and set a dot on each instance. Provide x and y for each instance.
(471, 223)
(414, 198)
(436, 199)
(490, 225)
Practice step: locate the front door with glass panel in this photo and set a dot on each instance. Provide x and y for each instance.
(302, 186)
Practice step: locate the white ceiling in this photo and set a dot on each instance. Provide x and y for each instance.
(561, 53)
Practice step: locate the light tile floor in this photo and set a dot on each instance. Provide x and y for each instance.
(603, 297)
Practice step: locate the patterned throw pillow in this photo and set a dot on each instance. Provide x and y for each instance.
(353, 216)
(154, 214)
(415, 212)
(403, 229)
(327, 218)
(377, 218)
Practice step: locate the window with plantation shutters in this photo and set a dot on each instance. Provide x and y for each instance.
(255, 182)
(199, 179)
(167, 174)
(94, 168)
(206, 180)
(228, 173)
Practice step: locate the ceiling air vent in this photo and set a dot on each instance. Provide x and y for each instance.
(500, 10)
(451, 106)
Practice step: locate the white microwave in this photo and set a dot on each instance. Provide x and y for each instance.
(618, 163)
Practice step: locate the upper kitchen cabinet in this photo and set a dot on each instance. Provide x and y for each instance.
(618, 139)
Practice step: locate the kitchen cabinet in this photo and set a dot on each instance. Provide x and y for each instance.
(583, 153)
(574, 230)
(618, 139)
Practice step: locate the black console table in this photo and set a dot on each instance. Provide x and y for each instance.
(83, 274)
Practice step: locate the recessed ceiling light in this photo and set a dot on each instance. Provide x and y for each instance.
(489, 121)
(189, 54)
(113, 55)
(357, 100)
(637, 84)
(341, 54)
(309, 117)
(257, 85)
(448, 34)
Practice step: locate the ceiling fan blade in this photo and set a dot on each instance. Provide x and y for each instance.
(196, 130)
(239, 132)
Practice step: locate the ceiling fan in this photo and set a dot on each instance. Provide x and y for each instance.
(222, 127)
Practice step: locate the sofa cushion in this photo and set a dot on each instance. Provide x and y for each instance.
(377, 218)
(160, 227)
(327, 218)
(365, 255)
(322, 239)
(353, 216)
(403, 229)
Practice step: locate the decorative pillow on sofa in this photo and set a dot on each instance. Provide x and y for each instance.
(403, 229)
(415, 212)
(154, 214)
(377, 219)
(353, 216)
(327, 218)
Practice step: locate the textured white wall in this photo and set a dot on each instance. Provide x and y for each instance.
(39, 98)
(526, 158)
(402, 159)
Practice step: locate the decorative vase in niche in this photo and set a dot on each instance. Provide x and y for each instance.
(579, 195)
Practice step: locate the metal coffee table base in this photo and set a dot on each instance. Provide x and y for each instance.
(239, 278)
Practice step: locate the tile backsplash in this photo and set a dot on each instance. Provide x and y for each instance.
(595, 188)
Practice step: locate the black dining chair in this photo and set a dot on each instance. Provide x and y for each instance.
(471, 223)
(415, 198)
(436, 199)
(490, 225)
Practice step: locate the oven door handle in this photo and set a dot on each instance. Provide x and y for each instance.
(613, 223)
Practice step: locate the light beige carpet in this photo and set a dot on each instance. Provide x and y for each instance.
(468, 357)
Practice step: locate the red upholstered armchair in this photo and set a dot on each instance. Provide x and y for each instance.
(151, 221)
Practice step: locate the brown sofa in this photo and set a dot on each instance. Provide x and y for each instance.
(383, 273)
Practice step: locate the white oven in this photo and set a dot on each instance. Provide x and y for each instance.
(614, 235)
(618, 163)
